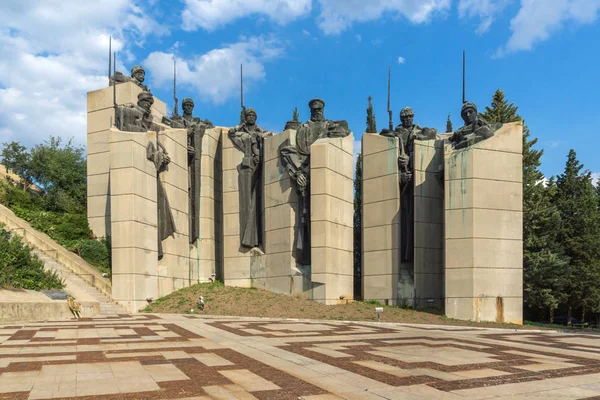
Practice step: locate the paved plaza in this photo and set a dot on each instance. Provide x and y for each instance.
(193, 357)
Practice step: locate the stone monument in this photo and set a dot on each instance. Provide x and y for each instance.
(296, 161)
(139, 195)
(484, 223)
(402, 216)
(243, 206)
(195, 134)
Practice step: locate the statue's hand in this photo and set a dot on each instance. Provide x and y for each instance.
(403, 162)
(452, 138)
(301, 180)
(255, 158)
(165, 159)
(405, 177)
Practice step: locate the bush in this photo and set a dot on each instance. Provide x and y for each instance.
(96, 253)
(21, 268)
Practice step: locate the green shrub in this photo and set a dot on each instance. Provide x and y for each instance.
(21, 268)
(95, 252)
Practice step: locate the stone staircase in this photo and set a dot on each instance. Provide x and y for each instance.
(83, 281)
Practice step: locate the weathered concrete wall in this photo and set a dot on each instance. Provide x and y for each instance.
(484, 228)
(100, 119)
(331, 220)
(381, 219)
(122, 203)
(281, 275)
(428, 267)
(242, 267)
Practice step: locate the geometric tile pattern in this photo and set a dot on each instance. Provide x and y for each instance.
(192, 357)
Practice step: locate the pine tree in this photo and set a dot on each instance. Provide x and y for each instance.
(500, 111)
(577, 202)
(449, 125)
(371, 124)
(295, 115)
(545, 266)
(358, 228)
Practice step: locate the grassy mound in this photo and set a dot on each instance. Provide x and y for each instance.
(252, 302)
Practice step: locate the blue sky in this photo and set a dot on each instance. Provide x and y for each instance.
(544, 54)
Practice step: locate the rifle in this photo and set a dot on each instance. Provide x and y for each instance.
(242, 88)
(464, 84)
(175, 107)
(109, 55)
(116, 107)
(389, 110)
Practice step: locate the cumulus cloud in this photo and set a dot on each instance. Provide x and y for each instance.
(485, 10)
(336, 16)
(53, 53)
(537, 20)
(213, 14)
(216, 74)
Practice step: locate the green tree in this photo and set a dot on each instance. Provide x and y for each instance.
(295, 115)
(577, 203)
(60, 170)
(545, 266)
(449, 125)
(16, 158)
(500, 110)
(371, 124)
(358, 228)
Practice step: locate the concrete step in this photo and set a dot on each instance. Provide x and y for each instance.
(80, 289)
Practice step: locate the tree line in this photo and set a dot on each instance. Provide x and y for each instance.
(561, 228)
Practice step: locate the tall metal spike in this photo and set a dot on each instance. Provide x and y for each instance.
(175, 100)
(115, 90)
(464, 79)
(242, 87)
(109, 58)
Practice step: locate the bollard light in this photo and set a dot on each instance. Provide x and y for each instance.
(379, 310)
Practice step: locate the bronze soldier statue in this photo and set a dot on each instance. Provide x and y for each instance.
(475, 129)
(138, 74)
(136, 117)
(407, 132)
(195, 132)
(248, 138)
(296, 161)
(166, 223)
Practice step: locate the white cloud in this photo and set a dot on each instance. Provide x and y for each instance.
(53, 53)
(336, 16)
(356, 151)
(358, 38)
(486, 10)
(213, 14)
(216, 74)
(305, 32)
(538, 19)
(401, 60)
(595, 177)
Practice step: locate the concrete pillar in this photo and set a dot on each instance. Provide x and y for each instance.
(133, 219)
(428, 264)
(331, 219)
(242, 267)
(484, 228)
(282, 275)
(100, 118)
(381, 219)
